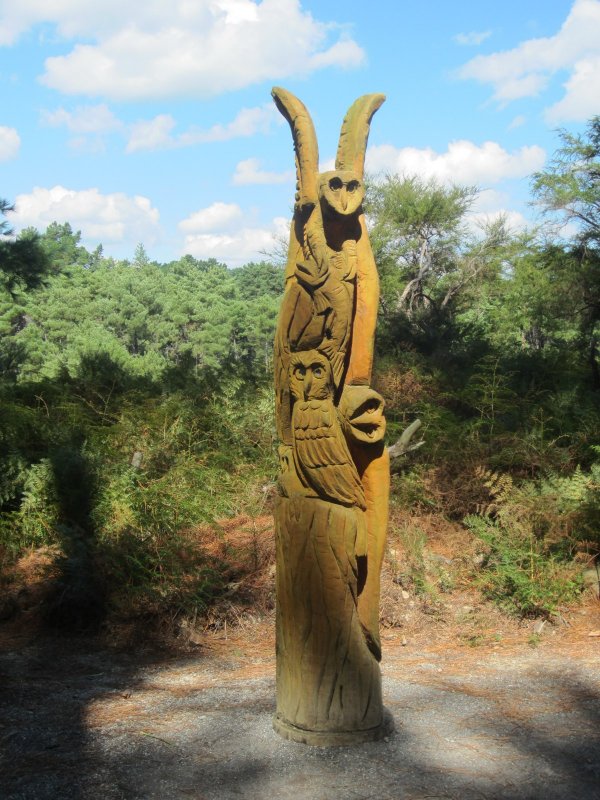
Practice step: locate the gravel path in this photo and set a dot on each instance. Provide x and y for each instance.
(81, 722)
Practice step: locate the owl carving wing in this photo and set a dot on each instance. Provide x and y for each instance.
(323, 460)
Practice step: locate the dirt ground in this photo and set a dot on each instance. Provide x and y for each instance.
(508, 716)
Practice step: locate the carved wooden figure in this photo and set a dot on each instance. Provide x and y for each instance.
(331, 513)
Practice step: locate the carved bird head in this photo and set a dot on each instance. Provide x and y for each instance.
(310, 376)
(341, 192)
(361, 409)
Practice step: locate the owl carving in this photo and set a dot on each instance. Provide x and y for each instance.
(320, 302)
(322, 459)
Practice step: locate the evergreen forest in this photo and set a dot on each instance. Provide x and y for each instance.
(136, 403)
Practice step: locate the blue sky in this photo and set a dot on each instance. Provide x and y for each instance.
(153, 122)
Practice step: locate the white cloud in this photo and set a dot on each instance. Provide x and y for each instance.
(517, 121)
(472, 38)
(102, 218)
(84, 119)
(346, 54)
(216, 217)
(328, 165)
(464, 162)
(92, 121)
(152, 134)
(514, 220)
(582, 96)
(223, 231)
(72, 17)
(490, 205)
(526, 70)
(157, 133)
(10, 142)
(157, 49)
(239, 247)
(87, 145)
(249, 172)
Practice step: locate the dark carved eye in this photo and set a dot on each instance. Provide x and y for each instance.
(299, 372)
(335, 184)
(353, 186)
(318, 372)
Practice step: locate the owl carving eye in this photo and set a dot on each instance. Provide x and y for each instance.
(310, 376)
(352, 186)
(335, 184)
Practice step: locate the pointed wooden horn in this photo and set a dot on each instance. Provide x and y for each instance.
(305, 145)
(355, 132)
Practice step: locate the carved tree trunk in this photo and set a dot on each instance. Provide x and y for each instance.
(327, 678)
(331, 515)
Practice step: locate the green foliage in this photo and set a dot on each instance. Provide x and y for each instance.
(136, 406)
(126, 505)
(570, 187)
(164, 574)
(149, 322)
(428, 256)
(488, 392)
(23, 263)
(571, 182)
(140, 258)
(134, 413)
(412, 571)
(532, 531)
(520, 576)
(63, 247)
(491, 340)
(34, 524)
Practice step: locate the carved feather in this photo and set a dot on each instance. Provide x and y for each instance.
(305, 145)
(355, 133)
(322, 456)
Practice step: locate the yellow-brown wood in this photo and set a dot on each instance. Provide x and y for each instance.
(331, 515)
(360, 367)
(327, 678)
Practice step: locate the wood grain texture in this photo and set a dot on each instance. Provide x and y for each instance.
(331, 515)
(327, 678)
(360, 366)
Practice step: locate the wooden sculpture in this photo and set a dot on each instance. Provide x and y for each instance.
(332, 508)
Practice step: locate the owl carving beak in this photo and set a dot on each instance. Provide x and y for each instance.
(307, 386)
(344, 198)
(362, 414)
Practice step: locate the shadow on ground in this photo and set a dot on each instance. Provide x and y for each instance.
(81, 722)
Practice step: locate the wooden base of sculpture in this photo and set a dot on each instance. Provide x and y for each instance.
(328, 680)
(334, 738)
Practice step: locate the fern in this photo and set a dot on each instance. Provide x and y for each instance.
(519, 576)
(533, 531)
(499, 486)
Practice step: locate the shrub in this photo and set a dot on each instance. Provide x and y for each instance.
(533, 532)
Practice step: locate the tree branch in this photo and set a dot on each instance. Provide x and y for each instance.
(404, 444)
